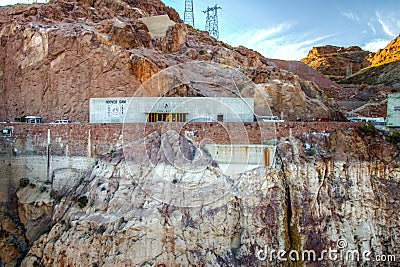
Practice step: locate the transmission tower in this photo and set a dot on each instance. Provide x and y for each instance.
(188, 16)
(212, 20)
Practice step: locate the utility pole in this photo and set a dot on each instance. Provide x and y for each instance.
(349, 71)
(189, 16)
(212, 20)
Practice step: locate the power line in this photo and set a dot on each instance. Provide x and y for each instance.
(212, 20)
(188, 15)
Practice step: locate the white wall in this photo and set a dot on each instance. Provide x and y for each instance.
(119, 110)
(393, 111)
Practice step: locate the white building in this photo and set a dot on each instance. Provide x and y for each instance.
(393, 111)
(171, 109)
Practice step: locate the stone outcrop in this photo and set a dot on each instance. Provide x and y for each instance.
(366, 78)
(384, 68)
(337, 62)
(13, 245)
(35, 209)
(386, 75)
(390, 53)
(324, 187)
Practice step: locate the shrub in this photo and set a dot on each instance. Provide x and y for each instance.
(101, 230)
(393, 137)
(23, 182)
(55, 196)
(83, 200)
(367, 129)
(311, 151)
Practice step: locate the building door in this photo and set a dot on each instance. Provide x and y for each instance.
(220, 118)
(267, 161)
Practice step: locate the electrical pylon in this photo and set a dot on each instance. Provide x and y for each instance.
(189, 16)
(212, 20)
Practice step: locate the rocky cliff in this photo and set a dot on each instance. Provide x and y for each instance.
(55, 57)
(323, 188)
(384, 68)
(354, 66)
(390, 53)
(367, 78)
(337, 62)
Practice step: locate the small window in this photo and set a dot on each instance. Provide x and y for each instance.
(220, 118)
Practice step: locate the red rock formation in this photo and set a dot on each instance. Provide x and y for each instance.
(390, 53)
(336, 62)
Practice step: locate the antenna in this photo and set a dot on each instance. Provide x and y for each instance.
(212, 21)
(188, 17)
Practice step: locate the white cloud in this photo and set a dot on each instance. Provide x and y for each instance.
(390, 24)
(291, 49)
(372, 27)
(274, 43)
(351, 16)
(255, 36)
(263, 34)
(375, 45)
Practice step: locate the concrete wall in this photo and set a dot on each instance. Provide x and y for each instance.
(34, 167)
(393, 111)
(83, 140)
(199, 109)
(157, 25)
(252, 155)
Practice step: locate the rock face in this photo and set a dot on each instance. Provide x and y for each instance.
(13, 245)
(337, 62)
(386, 75)
(390, 53)
(346, 189)
(384, 68)
(366, 78)
(35, 209)
(55, 57)
(354, 66)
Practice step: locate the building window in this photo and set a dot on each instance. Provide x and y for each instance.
(167, 117)
(33, 119)
(220, 118)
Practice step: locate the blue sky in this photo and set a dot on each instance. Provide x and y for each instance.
(288, 29)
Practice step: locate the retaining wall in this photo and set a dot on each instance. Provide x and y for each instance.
(87, 140)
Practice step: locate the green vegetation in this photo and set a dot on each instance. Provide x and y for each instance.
(37, 264)
(367, 129)
(23, 182)
(101, 230)
(55, 196)
(83, 200)
(311, 151)
(393, 137)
